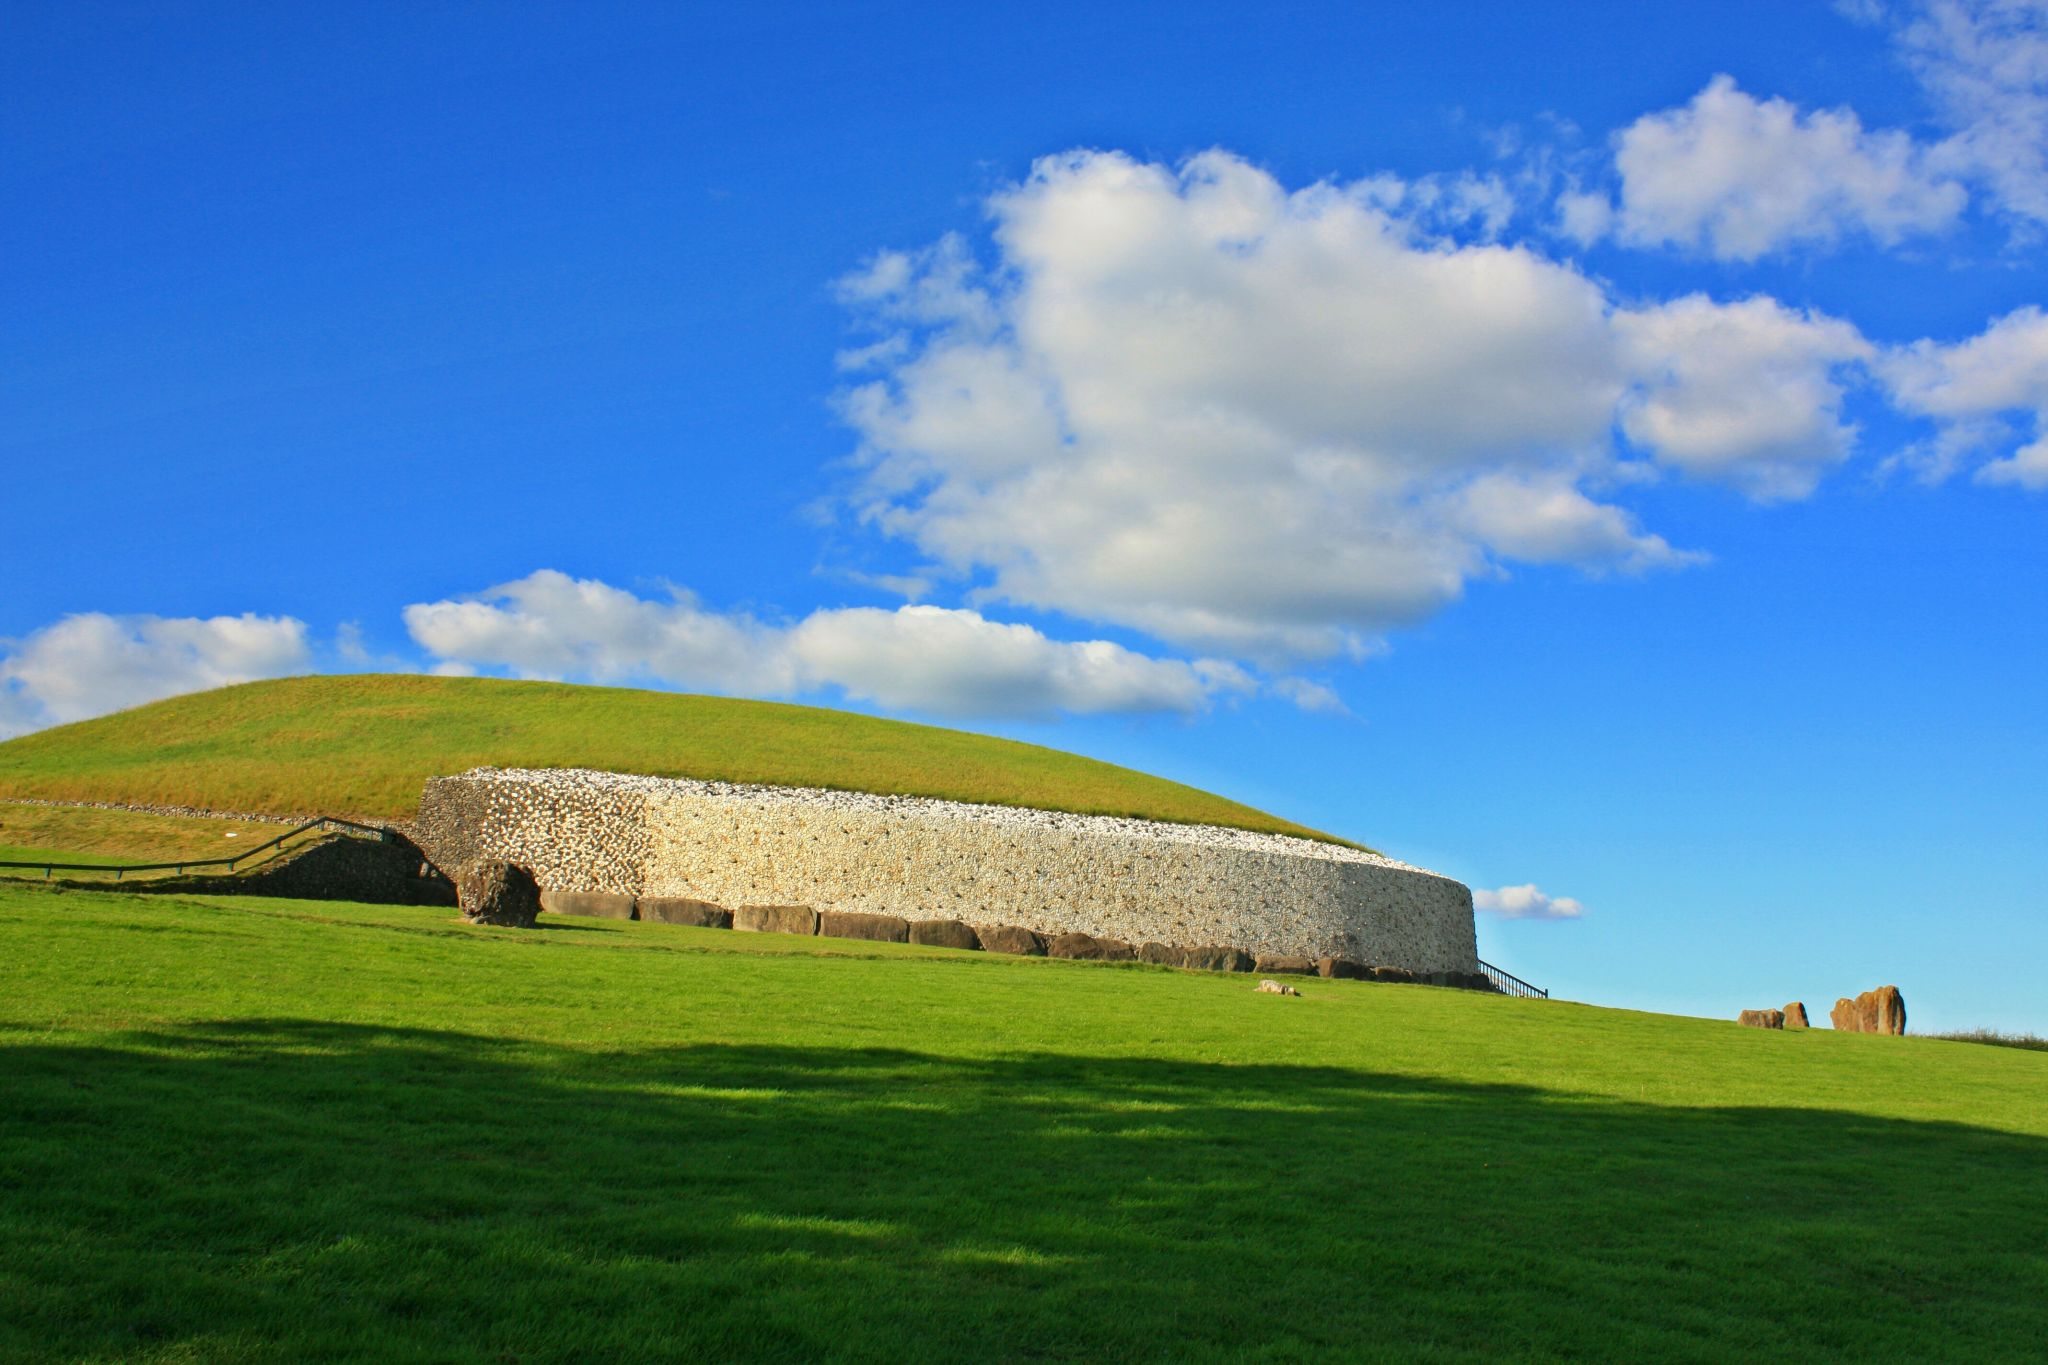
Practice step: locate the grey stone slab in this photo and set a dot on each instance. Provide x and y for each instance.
(588, 904)
(775, 919)
(681, 910)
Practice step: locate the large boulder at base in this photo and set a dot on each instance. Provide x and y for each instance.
(1398, 975)
(681, 910)
(1088, 948)
(588, 904)
(1162, 955)
(1795, 1015)
(856, 924)
(1761, 1018)
(1342, 969)
(494, 892)
(1217, 959)
(1843, 1016)
(1284, 964)
(775, 919)
(1008, 938)
(944, 933)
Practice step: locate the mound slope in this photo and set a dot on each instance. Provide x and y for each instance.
(365, 745)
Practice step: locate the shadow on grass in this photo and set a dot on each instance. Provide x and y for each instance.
(285, 1190)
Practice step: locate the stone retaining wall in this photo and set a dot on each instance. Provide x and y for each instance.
(1134, 880)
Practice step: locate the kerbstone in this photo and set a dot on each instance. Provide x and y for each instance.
(775, 919)
(854, 924)
(944, 933)
(681, 910)
(588, 904)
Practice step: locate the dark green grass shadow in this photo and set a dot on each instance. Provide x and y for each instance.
(285, 1190)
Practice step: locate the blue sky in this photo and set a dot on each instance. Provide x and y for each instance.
(1593, 451)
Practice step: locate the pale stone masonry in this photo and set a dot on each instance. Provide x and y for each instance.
(1135, 880)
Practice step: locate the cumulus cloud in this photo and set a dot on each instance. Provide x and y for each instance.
(1971, 390)
(1985, 63)
(1747, 393)
(1238, 418)
(92, 663)
(920, 658)
(1526, 902)
(1738, 178)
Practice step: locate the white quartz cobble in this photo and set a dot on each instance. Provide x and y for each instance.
(922, 858)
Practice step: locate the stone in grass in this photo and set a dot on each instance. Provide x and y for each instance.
(775, 919)
(1342, 969)
(1795, 1015)
(1217, 959)
(855, 924)
(944, 933)
(1008, 938)
(1274, 988)
(1162, 955)
(1285, 964)
(494, 892)
(1761, 1018)
(1087, 948)
(682, 910)
(587, 904)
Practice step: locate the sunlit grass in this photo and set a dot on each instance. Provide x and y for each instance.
(282, 1131)
(365, 745)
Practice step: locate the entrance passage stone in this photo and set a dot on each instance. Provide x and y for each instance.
(1342, 969)
(1795, 1015)
(1088, 948)
(1214, 959)
(1008, 938)
(944, 933)
(855, 924)
(588, 904)
(775, 919)
(678, 910)
(1761, 1018)
(500, 893)
(1285, 964)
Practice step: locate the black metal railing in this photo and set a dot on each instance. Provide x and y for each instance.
(324, 824)
(1507, 983)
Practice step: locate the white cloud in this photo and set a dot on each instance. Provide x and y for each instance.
(1745, 393)
(1970, 388)
(1526, 902)
(1739, 178)
(1985, 63)
(919, 658)
(92, 663)
(1237, 418)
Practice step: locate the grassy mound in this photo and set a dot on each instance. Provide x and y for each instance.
(364, 745)
(282, 1131)
(74, 834)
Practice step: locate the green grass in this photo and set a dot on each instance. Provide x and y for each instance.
(275, 1131)
(365, 745)
(73, 834)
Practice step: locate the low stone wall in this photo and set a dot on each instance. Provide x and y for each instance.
(1134, 880)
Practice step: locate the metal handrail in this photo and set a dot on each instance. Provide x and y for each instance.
(1507, 983)
(324, 822)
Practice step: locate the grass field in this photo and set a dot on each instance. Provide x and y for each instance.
(278, 1131)
(363, 746)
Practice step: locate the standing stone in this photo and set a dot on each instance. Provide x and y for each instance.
(1088, 948)
(1843, 1016)
(1008, 938)
(1342, 969)
(494, 892)
(873, 928)
(1216, 959)
(775, 919)
(681, 910)
(944, 933)
(1795, 1015)
(1761, 1019)
(1888, 1011)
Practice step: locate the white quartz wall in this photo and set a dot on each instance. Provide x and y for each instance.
(1135, 880)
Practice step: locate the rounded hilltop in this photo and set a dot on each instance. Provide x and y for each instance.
(366, 744)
